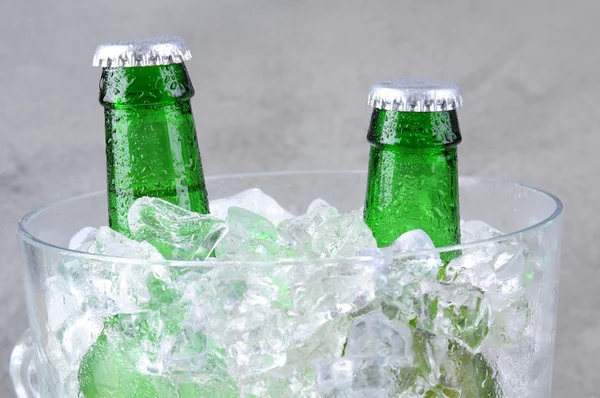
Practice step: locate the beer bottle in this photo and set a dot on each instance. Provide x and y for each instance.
(151, 144)
(151, 150)
(413, 184)
(413, 177)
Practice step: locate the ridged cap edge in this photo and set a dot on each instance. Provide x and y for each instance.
(150, 51)
(415, 95)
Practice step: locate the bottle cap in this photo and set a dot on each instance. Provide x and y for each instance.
(149, 51)
(415, 95)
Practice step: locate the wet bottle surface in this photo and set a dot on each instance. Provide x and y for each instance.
(413, 174)
(151, 144)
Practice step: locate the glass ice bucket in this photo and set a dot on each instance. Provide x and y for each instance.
(379, 324)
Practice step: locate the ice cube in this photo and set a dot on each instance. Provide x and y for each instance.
(111, 243)
(259, 348)
(342, 236)
(82, 239)
(400, 277)
(516, 352)
(299, 230)
(473, 267)
(253, 200)
(317, 204)
(310, 343)
(238, 308)
(165, 345)
(177, 233)
(250, 237)
(197, 355)
(511, 260)
(354, 377)
(375, 335)
(498, 268)
(252, 225)
(412, 241)
(475, 230)
(79, 335)
(399, 300)
(158, 347)
(123, 287)
(459, 311)
(325, 291)
(415, 267)
(74, 324)
(443, 368)
(63, 383)
(63, 301)
(284, 382)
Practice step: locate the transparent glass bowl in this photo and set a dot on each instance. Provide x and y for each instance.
(295, 327)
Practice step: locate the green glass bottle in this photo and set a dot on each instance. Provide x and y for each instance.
(413, 184)
(413, 176)
(151, 144)
(151, 150)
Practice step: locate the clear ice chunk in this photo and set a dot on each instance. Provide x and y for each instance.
(300, 230)
(461, 312)
(111, 243)
(342, 236)
(122, 287)
(412, 241)
(476, 230)
(177, 233)
(82, 239)
(79, 335)
(239, 308)
(409, 242)
(311, 342)
(253, 200)
(324, 291)
(250, 237)
(400, 277)
(498, 268)
(64, 301)
(284, 382)
(375, 335)
(354, 377)
(317, 204)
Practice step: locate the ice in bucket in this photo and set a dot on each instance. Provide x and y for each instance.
(117, 318)
(381, 326)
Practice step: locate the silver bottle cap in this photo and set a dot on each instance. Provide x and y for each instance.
(415, 95)
(149, 51)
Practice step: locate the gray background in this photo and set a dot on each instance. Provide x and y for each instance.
(282, 85)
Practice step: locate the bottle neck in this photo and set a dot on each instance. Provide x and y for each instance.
(151, 143)
(145, 86)
(414, 130)
(413, 177)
